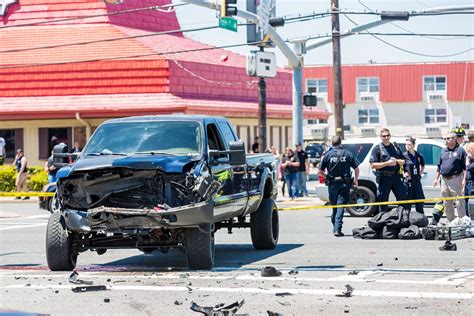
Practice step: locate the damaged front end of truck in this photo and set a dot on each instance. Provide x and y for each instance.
(131, 197)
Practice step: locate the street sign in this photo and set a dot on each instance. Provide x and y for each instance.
(265, 10)
(228, 24)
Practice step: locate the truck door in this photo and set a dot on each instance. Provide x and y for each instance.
(240, 180)
(222, 172)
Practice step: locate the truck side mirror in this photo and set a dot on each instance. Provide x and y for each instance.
(237, 153)
(60, 155)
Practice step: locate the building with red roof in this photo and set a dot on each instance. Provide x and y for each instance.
(419, 99)
(68, 65)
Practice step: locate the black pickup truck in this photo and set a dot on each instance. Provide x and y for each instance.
(161, 182)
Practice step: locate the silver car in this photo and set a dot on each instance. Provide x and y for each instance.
(367, 190)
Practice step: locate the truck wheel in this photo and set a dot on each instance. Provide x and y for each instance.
(59, 251)
(200, 247)
(359, 196)
(54, 205)
(264, 225)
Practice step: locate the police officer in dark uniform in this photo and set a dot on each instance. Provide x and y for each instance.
(387, 159)
(412, 171)
(336, 168)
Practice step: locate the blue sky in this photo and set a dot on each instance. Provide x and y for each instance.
(357, 49)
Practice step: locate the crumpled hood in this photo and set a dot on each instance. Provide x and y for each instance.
(166, 163)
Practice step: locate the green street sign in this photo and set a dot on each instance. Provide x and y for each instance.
(228, 24)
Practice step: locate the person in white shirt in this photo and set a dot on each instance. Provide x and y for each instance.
(3, 151)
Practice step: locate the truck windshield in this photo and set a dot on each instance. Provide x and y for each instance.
(168, 137)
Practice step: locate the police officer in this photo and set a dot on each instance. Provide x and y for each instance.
(412, 171)
(452, 166)
(336, 168)
(387, 159)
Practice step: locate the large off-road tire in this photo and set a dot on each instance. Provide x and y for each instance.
(264, 225)
(199, 243)
(361, 195)
(59, 245)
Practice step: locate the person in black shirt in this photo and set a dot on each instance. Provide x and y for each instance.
(451, 166)
(303, 170)
(256, 146)
(469, 180)
(290, 164)
(336, 166)
(387, 159)
(412, 171)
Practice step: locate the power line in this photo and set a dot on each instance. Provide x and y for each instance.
(159, 8)
(405, 29)
(133, 56)
(409, 51)
(463, 35)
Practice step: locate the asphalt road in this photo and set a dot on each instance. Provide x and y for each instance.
(390, 276)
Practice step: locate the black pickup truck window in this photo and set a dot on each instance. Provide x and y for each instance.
(214, 139)
(226, 132)
(146, 137)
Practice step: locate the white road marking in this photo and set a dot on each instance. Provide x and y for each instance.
(453, 279)
(247, 277)
(437, 295)
(22, 226)
(45, 216)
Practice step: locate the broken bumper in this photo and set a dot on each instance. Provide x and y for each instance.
(113, 218)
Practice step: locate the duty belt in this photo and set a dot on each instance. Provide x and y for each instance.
(388, 173)
(452, 176)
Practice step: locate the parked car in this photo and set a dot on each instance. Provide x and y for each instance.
(367, 190)
(315, 152)
(160, 182)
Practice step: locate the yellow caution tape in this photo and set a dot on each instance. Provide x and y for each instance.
(312, 207)
(27, 194)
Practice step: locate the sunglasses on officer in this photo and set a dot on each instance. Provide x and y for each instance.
(448, 138)
(385, 136)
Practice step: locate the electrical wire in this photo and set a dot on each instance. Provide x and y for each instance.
(407, 30)
(132, 56)
(158, 8)
(409, 51)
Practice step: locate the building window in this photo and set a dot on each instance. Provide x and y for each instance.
(434, 84)
(317, 86)
(317, 121)
(369, 116)
(13, 140)
(48, 137)
(435, 116)
(368, 85)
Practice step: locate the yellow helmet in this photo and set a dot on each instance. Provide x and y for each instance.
(459, 131)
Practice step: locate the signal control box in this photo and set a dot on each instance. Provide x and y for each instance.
(261, 64)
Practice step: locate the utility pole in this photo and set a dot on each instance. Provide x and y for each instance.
(262, 113)
(336, 69)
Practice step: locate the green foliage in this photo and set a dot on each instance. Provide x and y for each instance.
(37, 178)
(7, 178)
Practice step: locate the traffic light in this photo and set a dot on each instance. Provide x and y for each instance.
(228, 8)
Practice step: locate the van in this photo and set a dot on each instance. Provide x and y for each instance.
(361, 148)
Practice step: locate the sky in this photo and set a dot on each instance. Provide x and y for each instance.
(356, 49)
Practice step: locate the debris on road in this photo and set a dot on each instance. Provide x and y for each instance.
(178, 302)
(106, 300)
(74, 278)
(90, 288)
(353, 272)
(219, 309)
(293, 271)
(380, 264)
(283, 294)
(270, 271)
(448, 246)
(347, 292)
(270, 313)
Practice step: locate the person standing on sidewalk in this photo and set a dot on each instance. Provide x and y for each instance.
(336, 167)
(290, 164)
(303, 170)
(21, 163)
(469, 181)
(387, 160)
(451, 166)
(412, 171)
(3, 151)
